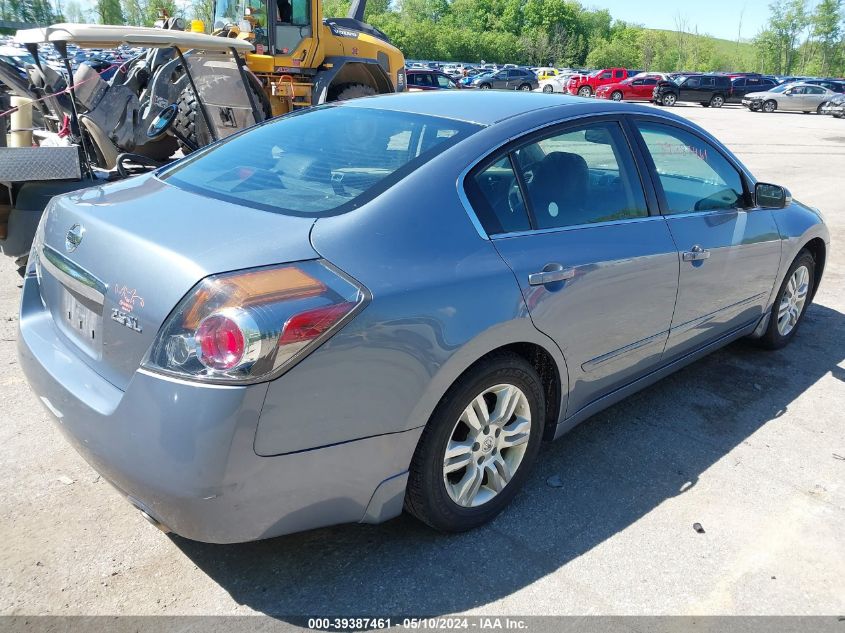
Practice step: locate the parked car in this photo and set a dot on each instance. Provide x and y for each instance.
(741, 86)
(800, 97)
(639, 88)
(586, 85)
(708, 90)
(554, 84)
(546, 72)
(835, 107)
(429, 80)
(507, 79)
(834, 85)
(328, 360)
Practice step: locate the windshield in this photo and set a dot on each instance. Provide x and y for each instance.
(325, 161)
(779, 88)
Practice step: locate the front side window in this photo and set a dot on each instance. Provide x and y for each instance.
(323, 161)
(581, 176)
(605, 75)
(444, 82)
(619, 74)
(693, 174)
(692, 82)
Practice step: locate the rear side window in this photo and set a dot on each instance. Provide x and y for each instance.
(497, 198)
(323, 161)
(581, 176)
(693, 174)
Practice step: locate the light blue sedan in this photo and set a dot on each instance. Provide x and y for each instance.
(390, 303)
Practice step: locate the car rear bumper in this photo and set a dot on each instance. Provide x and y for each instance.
(184, 453)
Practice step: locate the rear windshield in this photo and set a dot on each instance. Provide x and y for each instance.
(325, 161)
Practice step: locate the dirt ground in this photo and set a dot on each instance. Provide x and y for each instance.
(749, 444)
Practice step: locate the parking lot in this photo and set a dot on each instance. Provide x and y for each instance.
(748, 444)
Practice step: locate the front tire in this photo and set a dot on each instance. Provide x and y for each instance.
(668, 100)
(791, 302)
(585, 91)
(478, 447)
(485, 86)
(616, 95)
(770, 106)
(548, 89)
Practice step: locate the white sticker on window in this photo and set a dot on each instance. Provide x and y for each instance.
(553, 209)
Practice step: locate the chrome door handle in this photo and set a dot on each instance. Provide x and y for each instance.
(551, 276)
(695, 254)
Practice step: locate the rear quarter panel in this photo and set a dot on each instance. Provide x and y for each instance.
(442, 298)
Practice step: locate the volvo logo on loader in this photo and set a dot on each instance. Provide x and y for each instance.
(74, 237)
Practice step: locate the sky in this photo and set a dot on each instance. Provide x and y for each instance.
(719, 18)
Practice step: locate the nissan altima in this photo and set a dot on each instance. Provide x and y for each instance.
(388, 303)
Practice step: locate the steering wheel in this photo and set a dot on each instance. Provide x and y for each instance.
(163, 122)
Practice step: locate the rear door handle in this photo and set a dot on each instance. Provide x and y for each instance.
(552, 273)
(695, 254)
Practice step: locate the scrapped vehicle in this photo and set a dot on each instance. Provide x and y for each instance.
(708, 90)
(315, 352)
(97, 131)
(586, 85)
(507, 79)
(835, 107)
(800, 97)
(638, 88)
(429, 80)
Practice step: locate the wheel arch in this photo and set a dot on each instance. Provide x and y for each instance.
(818, 249)
(368, 72)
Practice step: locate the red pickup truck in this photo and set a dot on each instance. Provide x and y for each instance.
(585, 85)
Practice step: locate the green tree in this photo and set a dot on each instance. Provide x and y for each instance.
(110, 12)
(826, 23)
(73, 12)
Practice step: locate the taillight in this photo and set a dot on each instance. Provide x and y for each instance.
(252, 325)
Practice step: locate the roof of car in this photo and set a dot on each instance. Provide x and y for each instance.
(477, 106)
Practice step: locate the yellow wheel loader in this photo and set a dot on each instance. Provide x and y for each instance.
(300, 58)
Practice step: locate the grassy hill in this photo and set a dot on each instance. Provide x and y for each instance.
(715, 53)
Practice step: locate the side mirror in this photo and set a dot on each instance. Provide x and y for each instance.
(770, 196)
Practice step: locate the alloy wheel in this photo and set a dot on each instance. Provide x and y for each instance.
(616, 96)
(793, 299)
(717, 101)
(584, 92)
(669, 100)
(769, 106)
(487, 445)
(548, 89)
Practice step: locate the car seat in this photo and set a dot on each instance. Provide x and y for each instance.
(559, 190)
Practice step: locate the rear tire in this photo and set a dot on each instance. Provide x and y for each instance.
(717, 101)
(353, 91)
(431, 491)
(777, 336)
(525, 87)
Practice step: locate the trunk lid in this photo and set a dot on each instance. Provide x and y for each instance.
(116, 260)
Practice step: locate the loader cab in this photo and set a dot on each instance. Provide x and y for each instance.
(278, 27)
(292, 25)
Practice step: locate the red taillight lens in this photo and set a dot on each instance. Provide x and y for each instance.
(250, 325)
(220, 342)
(307, 326)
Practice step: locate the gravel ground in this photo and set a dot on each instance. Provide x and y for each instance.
(746, 443)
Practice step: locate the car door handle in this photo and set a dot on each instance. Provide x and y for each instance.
(696, 254)
(551, 276)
